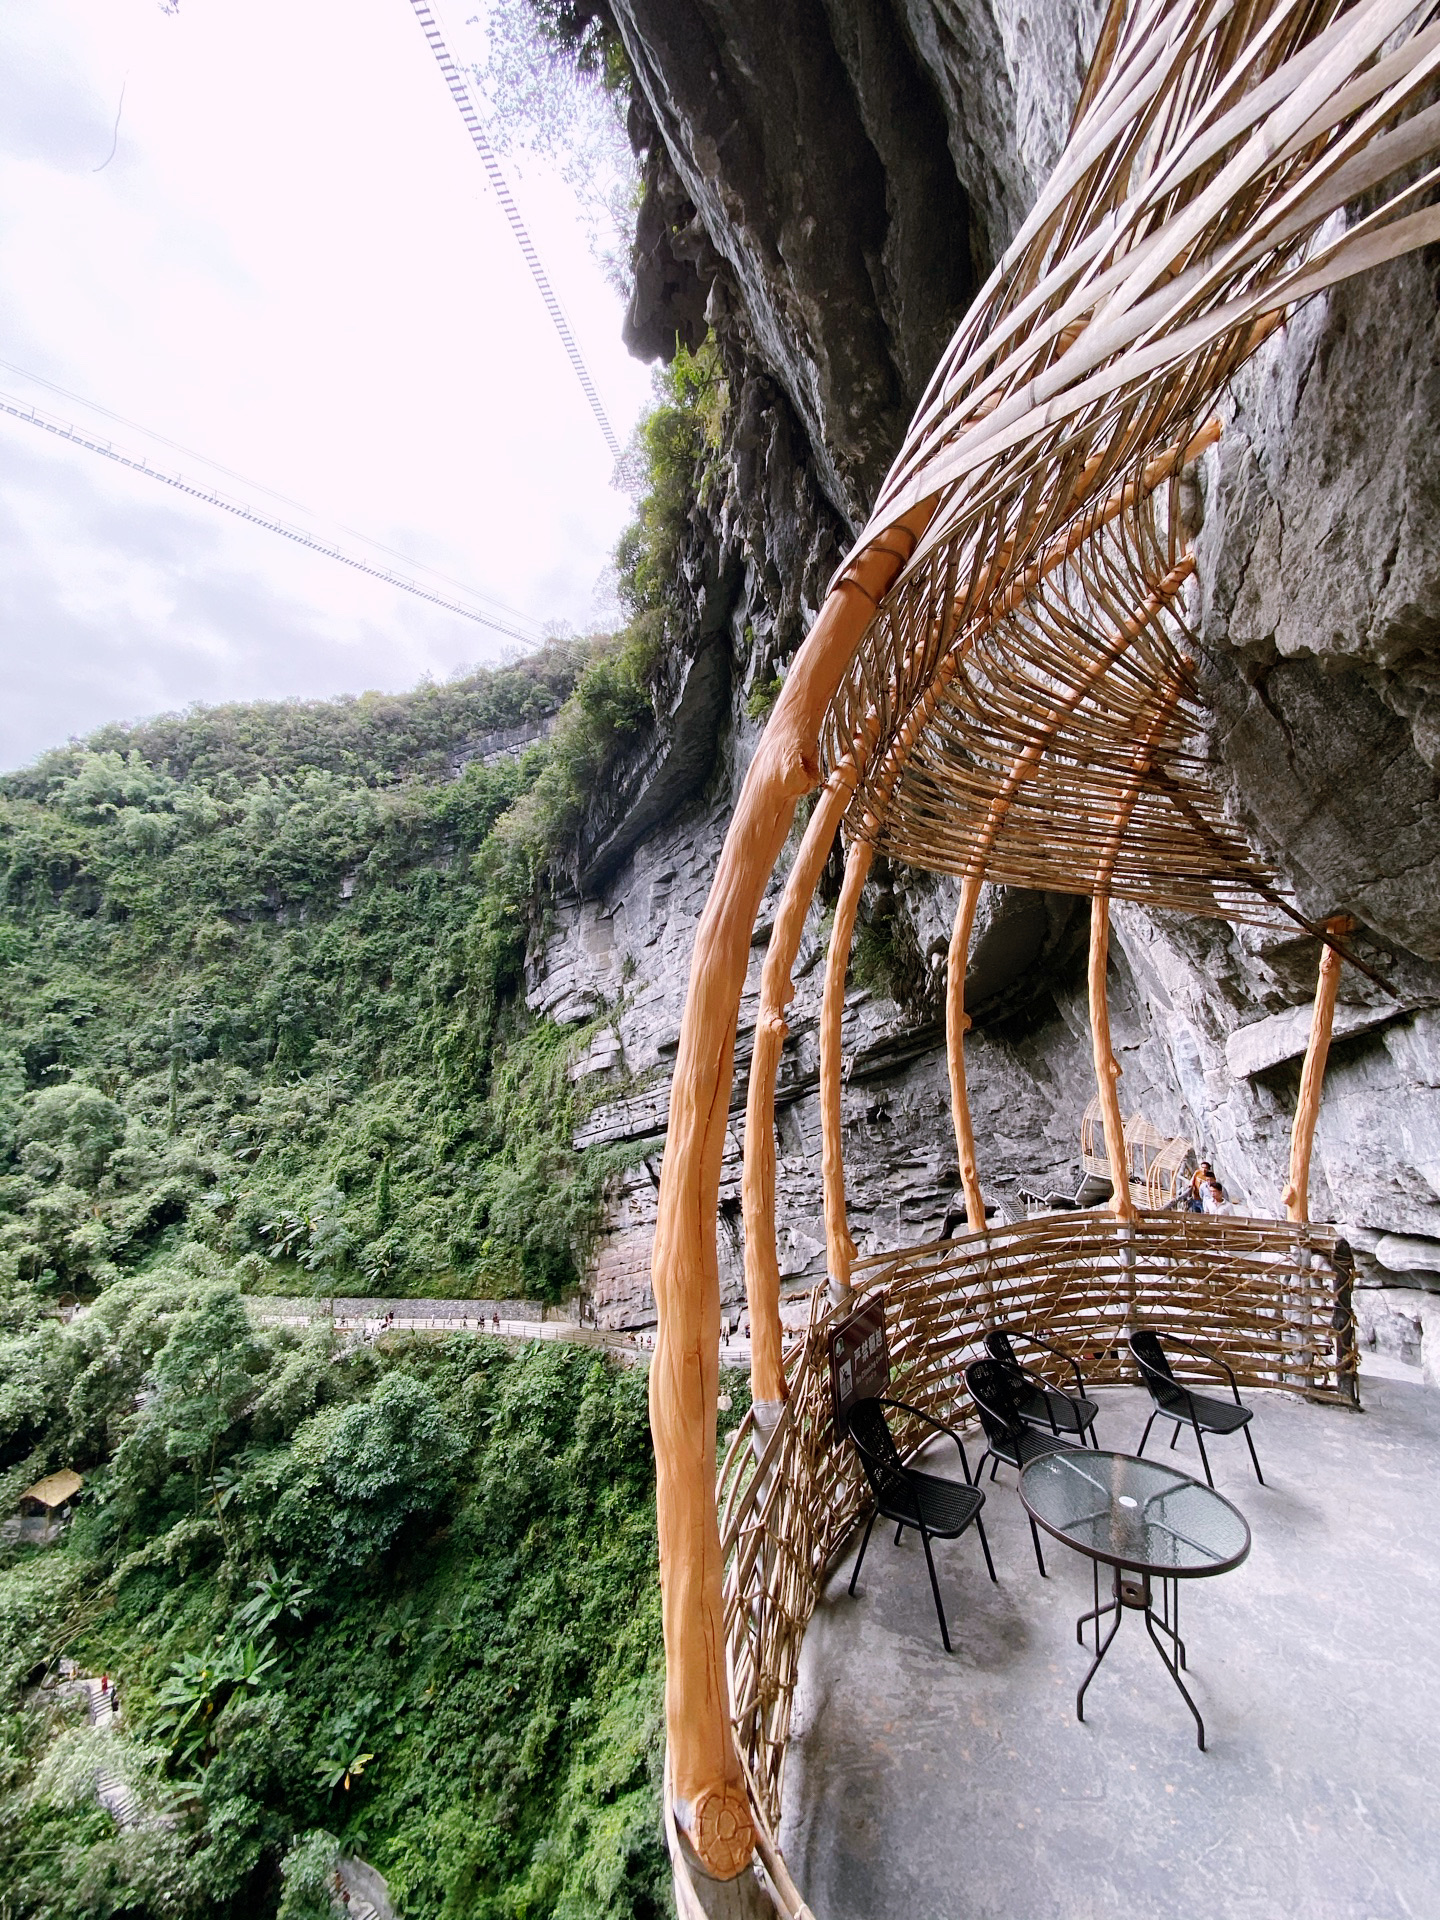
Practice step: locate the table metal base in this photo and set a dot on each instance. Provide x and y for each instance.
(1133, 1592)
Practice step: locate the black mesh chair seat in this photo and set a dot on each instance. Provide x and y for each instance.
(941, 1507)
(1051, 1407)
(1009, 1437)
(1202, 1412)
(937, 1508)
(1219, 1416)
(1035, 1400)
(1031, 1443)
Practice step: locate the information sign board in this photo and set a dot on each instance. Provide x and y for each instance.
(859, 1359)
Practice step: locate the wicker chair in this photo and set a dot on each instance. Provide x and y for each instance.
(1175, 1401)
(937, 1508)
(1042, 1405)
(1009, 1436)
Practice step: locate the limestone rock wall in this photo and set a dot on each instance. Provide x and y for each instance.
(826, 182)
(1321, 614)
(1179, 993)
(809, 145)
(626, 951)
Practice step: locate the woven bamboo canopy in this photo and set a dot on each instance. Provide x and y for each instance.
(1026, 681)
(1044, 724)
(1002, 685)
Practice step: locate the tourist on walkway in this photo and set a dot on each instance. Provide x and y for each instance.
(1212, 1198)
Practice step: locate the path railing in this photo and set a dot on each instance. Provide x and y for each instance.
(1262, 1291)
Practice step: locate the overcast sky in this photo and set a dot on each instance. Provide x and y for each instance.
(292, 264)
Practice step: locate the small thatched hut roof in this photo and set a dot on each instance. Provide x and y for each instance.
(55, 1489)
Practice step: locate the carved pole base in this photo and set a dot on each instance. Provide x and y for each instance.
(742, 1898)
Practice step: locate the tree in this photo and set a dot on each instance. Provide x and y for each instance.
(205, 1375)
(115, 1346)
(308, 1872)
(74, 1129)
(360, 1472)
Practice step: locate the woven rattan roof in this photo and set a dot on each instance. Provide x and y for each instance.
(1025, 702)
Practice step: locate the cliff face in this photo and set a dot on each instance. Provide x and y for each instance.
(826, 183)
(828, 212)
(1321, 565)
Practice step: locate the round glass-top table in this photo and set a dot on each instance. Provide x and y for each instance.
(1147, 1521)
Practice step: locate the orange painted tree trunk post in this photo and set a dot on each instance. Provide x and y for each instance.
(1107, 1067)
(710, 1801)
(1312, 1075)
(762, 1264)
(957, 1021)
(839, 1247)
(957, 1025)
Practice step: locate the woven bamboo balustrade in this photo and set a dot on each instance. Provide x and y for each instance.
(1002, 685)
(1261, 1290)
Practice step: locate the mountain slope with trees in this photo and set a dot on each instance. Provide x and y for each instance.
(262, 1028)
(400, 1601)
(260, 966)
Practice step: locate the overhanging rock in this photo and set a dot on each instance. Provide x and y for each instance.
(1408, 1253)
(674, 767)
(1284, 1036)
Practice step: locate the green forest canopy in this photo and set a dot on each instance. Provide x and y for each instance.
(401, 1601)
(259, 972)
(260, 967)
(261, 1026)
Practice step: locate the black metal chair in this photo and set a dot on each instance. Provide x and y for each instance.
(937, 1508)
(1009, 1436)
(1042, 1405)
(1200, 1411)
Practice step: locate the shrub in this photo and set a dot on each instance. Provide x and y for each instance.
(360, 1472)
(308, 1871)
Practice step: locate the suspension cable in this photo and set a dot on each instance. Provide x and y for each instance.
(258, 486)
(460, 93)
(62, 430)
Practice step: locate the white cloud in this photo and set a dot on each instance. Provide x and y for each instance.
(291, 263)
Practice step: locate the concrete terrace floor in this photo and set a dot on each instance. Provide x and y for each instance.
(962, 1787)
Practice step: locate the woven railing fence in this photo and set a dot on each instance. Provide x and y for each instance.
(1264, 1292)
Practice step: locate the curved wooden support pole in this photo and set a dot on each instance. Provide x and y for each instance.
(762, 1263)
(1312, 1075)
(1107, 1067)
(957, 1025)
(711, 1804)
(839, 1247)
